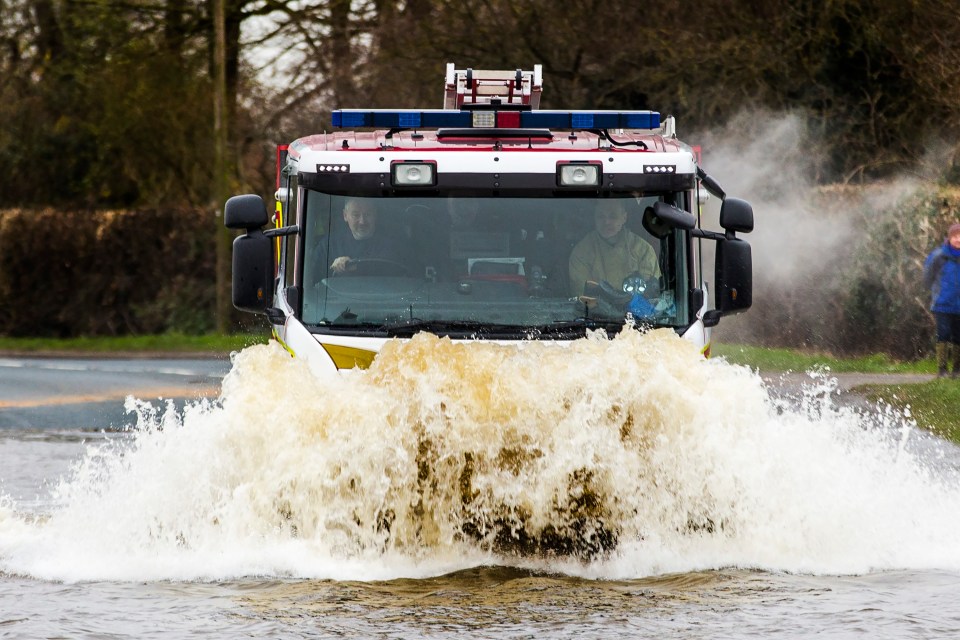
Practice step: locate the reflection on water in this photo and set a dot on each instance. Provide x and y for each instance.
(493, 602)
(589, 488)
(501, 602)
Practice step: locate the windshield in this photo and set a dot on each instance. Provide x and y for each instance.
(496, 267)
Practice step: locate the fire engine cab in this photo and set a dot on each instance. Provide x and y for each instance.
(488, 219)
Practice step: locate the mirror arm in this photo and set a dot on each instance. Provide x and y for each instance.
(710, 235)
(275, 315)
(282, 231)
(710, 184)
(712, 318)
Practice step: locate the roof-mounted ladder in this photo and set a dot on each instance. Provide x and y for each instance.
(474, 87)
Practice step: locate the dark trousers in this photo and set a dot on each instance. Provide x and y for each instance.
(948, 327)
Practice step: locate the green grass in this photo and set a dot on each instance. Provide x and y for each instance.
(172, 343)
(770, 359)
(934, 405)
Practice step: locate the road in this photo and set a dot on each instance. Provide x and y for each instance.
(846, 381)
(792, 384)
(90, 392)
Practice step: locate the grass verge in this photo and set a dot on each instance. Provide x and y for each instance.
(934, 405)
(771, 359)
(167, 343)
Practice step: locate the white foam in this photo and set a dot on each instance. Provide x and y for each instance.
(377, 474)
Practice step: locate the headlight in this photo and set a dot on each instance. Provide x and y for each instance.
(579, 174)
(414, 174)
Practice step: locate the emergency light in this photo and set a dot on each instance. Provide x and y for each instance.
(507, 118)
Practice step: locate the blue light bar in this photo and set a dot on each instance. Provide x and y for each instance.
(437, 118)
(400, 118)
(591, 119)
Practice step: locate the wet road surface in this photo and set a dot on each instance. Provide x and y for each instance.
(90, 392)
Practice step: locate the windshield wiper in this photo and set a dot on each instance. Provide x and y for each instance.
(577, 325)
(412, 326)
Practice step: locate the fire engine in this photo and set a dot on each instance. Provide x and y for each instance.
(488, 219)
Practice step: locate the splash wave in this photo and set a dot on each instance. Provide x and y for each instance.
(620, 457)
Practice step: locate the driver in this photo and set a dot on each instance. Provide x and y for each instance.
(611, 251)
(360, 242)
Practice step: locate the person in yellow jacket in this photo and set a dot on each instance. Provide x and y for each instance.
(611, 251)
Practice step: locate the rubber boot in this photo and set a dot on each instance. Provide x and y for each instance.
(942, 358)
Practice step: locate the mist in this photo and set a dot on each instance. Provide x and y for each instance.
(807, 238)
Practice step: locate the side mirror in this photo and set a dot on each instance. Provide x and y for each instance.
(253, 258)
(245, 212)
(654, 225)
(253, 272)
(736, 215)
(733, 273)
(674, 217)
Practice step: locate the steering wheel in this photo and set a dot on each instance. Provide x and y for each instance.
(378, 267)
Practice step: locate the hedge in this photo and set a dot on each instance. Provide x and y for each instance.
(120, 272)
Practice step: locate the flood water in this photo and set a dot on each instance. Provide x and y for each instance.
(600, 488)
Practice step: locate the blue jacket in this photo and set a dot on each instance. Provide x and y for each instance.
(941, 272)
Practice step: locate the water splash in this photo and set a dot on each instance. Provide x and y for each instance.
(611, 458)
